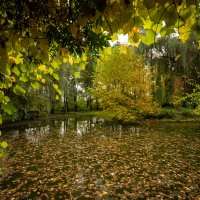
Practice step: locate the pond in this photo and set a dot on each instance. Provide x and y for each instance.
(85, 158)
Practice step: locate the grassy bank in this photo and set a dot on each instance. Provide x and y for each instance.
(165, 115)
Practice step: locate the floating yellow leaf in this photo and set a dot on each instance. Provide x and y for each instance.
(66, 185)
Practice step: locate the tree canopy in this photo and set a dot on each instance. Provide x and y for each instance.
(38, 36)
(123, 85)
(75, 24)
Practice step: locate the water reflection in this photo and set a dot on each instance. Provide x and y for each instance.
(36, 135)
(85, 158)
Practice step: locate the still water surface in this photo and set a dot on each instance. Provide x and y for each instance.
(82, 158)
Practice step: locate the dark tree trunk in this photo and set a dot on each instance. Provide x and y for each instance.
(66, 104)
(97, 104)
(75, 104)
(52, 110)
(89, 103)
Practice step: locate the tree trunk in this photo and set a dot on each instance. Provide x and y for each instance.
(97, 104)
(66, 104)
(75, 104)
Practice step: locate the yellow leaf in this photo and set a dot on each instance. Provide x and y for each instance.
(65, 59)
(123, 49)
(77, 60)
(55, 86)
(70, 60)
(39, 77)
(42, 67)
(107, 50)
(43, 80)
(102, 194)
(84, 57)
(77, 75)
(50, 71)
(82, 66)
(55, 64)
(12, 79)
(114, 37)
(16, 59)
(66, 185)
(177, 57)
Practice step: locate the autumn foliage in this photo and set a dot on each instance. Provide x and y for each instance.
(122, 85)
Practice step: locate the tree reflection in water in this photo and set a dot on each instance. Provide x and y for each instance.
(86, 158)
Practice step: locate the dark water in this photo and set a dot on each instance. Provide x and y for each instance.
(86, 159)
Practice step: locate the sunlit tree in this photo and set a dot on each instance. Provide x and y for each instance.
(122, 84)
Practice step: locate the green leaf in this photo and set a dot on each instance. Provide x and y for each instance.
(150, 37)
(114, 37)
(57, 97)
(149, 3)
(155, 15)
(170, 18)
(148, 24)
(137, 21)
(35, 85)
(0, 119)
(77, 75)
(107, 50)
(55, 86)
(23, 68)
(142, 11)
(77, 60)
(166, 31)
(7, 108)
(59, 91)
(4, 144)
(23, 79)
(8, 72)
(50, 71)
(82, 66)
(1, 96)
(186, 13)
(16, 70)
(56, 76)
(6, 99)
(136, 37)
(19, 90)
(84, 57)
(55, 64)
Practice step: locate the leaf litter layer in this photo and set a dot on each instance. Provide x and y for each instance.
(84, 159)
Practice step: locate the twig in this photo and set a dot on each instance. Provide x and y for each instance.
(108, 23)
(161, 18)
